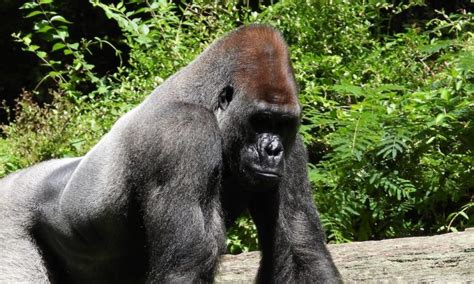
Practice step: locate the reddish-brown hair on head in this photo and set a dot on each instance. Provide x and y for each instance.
(263, 67)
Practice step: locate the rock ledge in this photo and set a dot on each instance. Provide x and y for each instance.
(441, 259)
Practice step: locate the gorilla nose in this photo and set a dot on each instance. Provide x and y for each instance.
(270, 147)
(274, 148)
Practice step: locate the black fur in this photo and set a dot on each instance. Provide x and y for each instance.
(150, 202)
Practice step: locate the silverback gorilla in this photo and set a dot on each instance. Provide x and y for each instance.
(151, 201)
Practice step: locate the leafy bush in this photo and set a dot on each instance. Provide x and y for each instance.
(45, 132)
(386, 117)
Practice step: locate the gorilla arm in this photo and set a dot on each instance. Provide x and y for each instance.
(185, 231)
(143, 203)
(291, 237)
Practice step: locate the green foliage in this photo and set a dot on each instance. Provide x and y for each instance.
(162, 40)
(51, 32)
(242, 237)
(60, 129)
(387, 118)
(460, 216)
(392, 118)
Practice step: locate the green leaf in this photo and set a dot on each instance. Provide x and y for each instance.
(439, 118)
(346, 88)
(41, 54)
(58, 46)
(102, 89)
(27, 40)
(463, 214)
(44, 29)
(33, 47)
(54, 74)
(58, 18)
(445, 95)
(349, 209)
(45, 2)
(28, 5)
(385, 150)
(435, 47)
(32, 14)
(144, 29)
(61, 35)
(398, 147)
(73, 46)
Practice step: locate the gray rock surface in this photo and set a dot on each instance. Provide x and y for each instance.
(447, 258)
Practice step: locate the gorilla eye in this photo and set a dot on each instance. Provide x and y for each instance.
(226, 97)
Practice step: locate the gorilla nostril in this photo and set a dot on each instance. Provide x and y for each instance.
(274, 148)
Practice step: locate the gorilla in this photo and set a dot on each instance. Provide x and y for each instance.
(152, 200)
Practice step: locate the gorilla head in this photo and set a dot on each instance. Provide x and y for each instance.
(257, 110)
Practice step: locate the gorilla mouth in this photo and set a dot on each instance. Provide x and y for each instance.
(263, 179)
(268, 174)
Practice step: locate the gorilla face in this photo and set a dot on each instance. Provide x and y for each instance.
(263, 155)
(257, 136)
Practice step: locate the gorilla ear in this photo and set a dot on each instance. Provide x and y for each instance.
(225, 97)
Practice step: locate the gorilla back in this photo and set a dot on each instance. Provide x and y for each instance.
(149, 203)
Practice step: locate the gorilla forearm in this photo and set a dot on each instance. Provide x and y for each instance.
(306, 258)
(193, 261)
(293, 243)
(290, 233)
